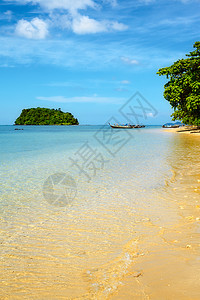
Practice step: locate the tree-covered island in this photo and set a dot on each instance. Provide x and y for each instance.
(45, 116)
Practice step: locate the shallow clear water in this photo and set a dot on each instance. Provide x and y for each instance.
(71, 200)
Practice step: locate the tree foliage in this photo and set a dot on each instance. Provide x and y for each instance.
(183, 88)
(45, 116)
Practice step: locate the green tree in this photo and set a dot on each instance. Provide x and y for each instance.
(183, 88)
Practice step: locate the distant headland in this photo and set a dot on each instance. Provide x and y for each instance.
(45, 116)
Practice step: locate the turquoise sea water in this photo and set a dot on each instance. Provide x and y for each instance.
(29, 156)
(70, 199)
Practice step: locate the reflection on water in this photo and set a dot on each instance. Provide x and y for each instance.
(132, 232)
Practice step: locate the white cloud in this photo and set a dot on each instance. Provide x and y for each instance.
(129, 61)
(84, 25)
(179, 21)
(118, 26)
(94, 99)
(68, 53)
(35, 29)
(72, 19)
(7, 15)
(121, 90)
(6, 66)
(151, 115)
(61, 21)
(71, 5)
(125, 82)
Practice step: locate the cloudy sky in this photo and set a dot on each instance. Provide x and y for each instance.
(89, 57)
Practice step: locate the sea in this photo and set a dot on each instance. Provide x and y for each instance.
(91, 212)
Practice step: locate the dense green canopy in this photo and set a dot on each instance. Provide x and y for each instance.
(183, 88)
(45, 116)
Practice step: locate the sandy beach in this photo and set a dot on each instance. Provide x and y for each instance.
(185, 130)
(168, 264)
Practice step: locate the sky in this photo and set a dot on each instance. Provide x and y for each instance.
(90, 57)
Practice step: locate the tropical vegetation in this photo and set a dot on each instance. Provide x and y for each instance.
(183, 88)
(45, 116)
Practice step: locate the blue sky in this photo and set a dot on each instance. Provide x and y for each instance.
(89, 57)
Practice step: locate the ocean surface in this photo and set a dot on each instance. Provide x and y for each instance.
(79, 205)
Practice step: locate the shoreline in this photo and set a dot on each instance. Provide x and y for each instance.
(185, 130)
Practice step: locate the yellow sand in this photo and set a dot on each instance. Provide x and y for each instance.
(170, 265)
(182, 130)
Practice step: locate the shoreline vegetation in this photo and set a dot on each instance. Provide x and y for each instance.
(183, 87)
(45, 116)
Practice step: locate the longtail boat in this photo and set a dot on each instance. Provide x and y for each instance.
(126, 126)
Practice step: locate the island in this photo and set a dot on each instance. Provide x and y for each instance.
(45, 116)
